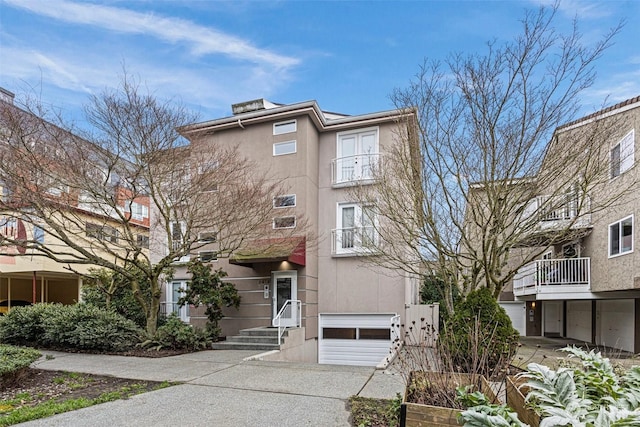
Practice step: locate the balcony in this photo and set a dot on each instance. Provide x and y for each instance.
(559, 211)
(353, 169)
(353, 241)
(554, 278)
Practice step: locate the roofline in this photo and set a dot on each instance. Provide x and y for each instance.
(620, 107)
(310, 108)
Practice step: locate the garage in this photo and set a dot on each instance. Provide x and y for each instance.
(615, 323)
(517, 313)
(354, 339)
(579, 320)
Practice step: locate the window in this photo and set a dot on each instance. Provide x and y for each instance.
(100, 232)
(282, 148)
(357, 156)
(175, 290)
(284, 127)
(142, 241)
(208, 256)
(138, 211)
(285, 201)
(284, 222)
(356, 333)
(622, 155)
(178, 230)
(208, 166)
(208, 236)
(621, 237)
(38, 234)
(356, 229)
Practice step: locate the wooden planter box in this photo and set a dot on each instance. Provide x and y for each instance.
(516, 400)
(419, 415)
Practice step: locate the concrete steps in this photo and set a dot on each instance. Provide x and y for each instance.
(263, 339)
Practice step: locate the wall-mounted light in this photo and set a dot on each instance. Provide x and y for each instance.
(533, 305)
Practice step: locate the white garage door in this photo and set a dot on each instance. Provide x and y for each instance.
(615, 323)
(579, 320)
(517, 312)
(354, 339)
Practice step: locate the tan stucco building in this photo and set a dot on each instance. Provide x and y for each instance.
(588, 288)
(347, 305)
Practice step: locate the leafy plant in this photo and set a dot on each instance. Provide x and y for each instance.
(79, 326)
(207, 288)
(110, 290)
(484, 413)
(479, 338)
(587, 394)
(174, 334)
(13, 359)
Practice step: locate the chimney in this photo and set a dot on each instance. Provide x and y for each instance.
(249, 106)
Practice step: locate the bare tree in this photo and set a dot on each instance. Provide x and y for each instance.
(89, 194)
(458, 195)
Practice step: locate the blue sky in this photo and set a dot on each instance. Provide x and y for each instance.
(348, 56)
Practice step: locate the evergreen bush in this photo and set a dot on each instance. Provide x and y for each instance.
(80, 326)
(479, 337)
(174, 334)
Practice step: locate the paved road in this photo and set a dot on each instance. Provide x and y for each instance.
(220, 388)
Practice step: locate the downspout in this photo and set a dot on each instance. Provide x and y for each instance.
(240, 123)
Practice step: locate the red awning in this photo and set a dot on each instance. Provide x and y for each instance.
(291, 249)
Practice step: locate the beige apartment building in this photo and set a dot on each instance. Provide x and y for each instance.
(27, 276)
(318, 280)
(587, 287)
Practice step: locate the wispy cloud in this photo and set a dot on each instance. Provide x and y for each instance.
(200, 40)
(579, 8)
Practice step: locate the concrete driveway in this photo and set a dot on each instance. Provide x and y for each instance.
(220, 388)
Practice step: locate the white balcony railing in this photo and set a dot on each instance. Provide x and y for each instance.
(353, 240)
(553, 275)
(352, 169)
(550, 211)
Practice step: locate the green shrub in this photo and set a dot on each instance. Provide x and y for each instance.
(80, 326)
(109, 290)
(87, 327)
(479, 337)
(24, 325)
(174, 334)
(13, 359)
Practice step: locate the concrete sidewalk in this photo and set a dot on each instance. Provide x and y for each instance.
(220, 388)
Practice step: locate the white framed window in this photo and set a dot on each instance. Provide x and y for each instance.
(356, 155)
(282, 148)
(285, 127)
(621, 237)
(623, 155)
(285, 201)
(175, 290)
(284, 222)
(138, 210)
(355, 228)
(208, 256)
(208, 236)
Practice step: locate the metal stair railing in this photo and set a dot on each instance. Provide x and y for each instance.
(291, 309)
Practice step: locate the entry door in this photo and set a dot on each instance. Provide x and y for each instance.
(285, 289)
(553, 318)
